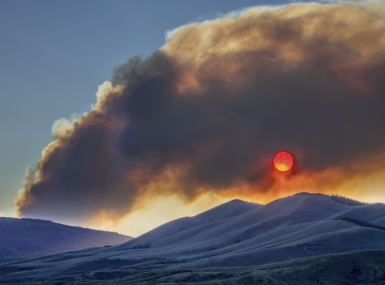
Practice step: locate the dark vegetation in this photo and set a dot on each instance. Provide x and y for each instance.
(68, 257)
(362, 223)
(142, 246)
(346, 201)
(253, 202)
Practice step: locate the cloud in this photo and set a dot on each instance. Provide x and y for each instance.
(207, 112)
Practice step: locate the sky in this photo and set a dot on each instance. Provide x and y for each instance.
(54, 55)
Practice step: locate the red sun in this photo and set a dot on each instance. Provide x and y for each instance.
(283, 161)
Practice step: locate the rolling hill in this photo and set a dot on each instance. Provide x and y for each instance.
(303, 234)
(28, 238)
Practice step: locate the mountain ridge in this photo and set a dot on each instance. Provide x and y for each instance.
(287, 213)
(168, 229)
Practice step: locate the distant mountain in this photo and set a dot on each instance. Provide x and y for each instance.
(284, 233)
(27, 238)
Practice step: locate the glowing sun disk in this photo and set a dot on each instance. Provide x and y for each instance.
(283, 161)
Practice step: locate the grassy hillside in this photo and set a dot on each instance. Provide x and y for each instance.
(300, 239)
(27, 238)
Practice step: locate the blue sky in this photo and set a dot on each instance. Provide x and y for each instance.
(54, 54)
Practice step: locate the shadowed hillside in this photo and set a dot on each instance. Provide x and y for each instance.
(27, 238)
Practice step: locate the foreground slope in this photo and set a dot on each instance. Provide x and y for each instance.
(237, 235)
(26, 238)
(357, 267)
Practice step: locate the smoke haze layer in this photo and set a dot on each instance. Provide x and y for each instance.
(208, 111)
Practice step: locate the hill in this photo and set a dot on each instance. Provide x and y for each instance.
(27, 238)
(300, 234)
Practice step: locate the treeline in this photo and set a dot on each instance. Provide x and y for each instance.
(253, 202)
(47, 222)
(362, 223)
(346, 201)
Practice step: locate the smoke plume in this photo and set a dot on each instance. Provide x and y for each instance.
(208, 111)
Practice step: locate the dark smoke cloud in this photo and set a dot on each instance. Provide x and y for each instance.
(208, 111)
